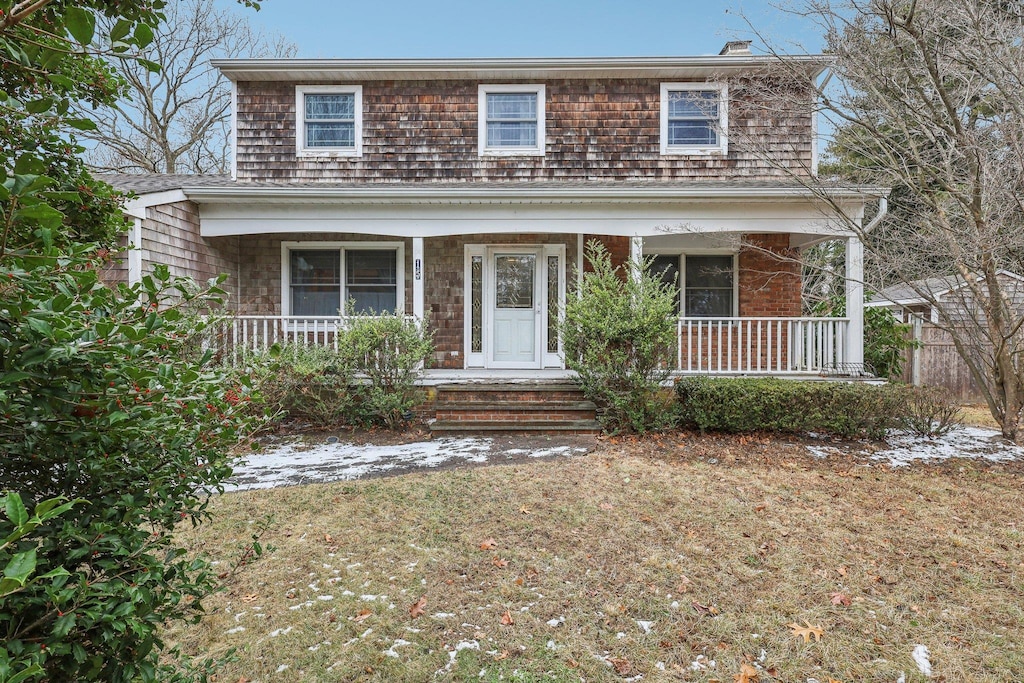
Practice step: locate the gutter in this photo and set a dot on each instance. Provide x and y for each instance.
(521, 195)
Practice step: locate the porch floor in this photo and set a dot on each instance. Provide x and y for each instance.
(434, 377)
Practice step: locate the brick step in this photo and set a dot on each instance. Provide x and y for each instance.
(525, 427)
(518, 393)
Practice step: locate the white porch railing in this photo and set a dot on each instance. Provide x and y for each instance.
(235, 335)
(762, 345)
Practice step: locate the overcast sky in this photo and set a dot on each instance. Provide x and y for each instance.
(523, 28)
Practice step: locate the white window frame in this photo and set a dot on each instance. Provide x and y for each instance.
(341, 248)
(681, 257)
(491, 88)
(723, 120)
(301, 150)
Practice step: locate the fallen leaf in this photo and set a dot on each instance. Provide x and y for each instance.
(499, 562)
(606, 506)
(519, 581)
(747, 674)
(841, 571)
(362, 616)
(704, 609)
(489, 544)
(506, 619)
(806, 631)
(840, 599)
(418, 607)
(503, 655)
(623, 666)
(328, 538)
(252, 597)
(525, 510)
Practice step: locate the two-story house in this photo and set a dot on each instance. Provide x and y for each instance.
(465, 191)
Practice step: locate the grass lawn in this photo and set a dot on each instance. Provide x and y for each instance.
(679, 559)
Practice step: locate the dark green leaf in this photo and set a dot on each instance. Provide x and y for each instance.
(21, 566)
(81, 24)
(16, 509)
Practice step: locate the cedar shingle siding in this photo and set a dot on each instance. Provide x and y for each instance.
(596, 130)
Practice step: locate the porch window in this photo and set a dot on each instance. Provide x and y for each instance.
(327, 281)
(511, 120)
(693, 118)
(706, 283)
(329, 120)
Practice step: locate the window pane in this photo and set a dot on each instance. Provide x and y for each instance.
(334, 134)
(513, 277)
(512, 106)
(314, 267)
(709, 303)
(368, 299)
(476, 304)
(692, 133)
(511, 134)
(666, 268)
(709, 271)
(334, 106)
(316, 300)
(371, 267)
(693, 104)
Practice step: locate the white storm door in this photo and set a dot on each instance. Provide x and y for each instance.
(515, 300)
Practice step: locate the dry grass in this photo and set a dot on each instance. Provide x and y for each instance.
(720, 543)
(978, 415)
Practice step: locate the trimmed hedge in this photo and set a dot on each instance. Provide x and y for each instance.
(849, 410)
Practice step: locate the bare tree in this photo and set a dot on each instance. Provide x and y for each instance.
(176, 120)
(928, 98)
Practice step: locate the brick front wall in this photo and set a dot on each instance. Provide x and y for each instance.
(170, 235)
(769, 277)
(444, 280)
(596, 130)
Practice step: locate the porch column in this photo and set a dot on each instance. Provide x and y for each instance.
(855, 302)
(417, 278)
(636, 256)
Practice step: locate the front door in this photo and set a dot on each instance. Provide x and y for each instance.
(515, 308)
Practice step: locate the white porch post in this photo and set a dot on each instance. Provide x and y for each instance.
(855, 301)
(135, 251)
(417, 278)
(636, 256)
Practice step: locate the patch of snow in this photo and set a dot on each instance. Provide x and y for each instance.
(553, 623)
(281, 632)
(902, 678)
(454, 653)
(551, 645)
(292, 462)
(237, 629)
(442, 615)
(314, 648)
(923, 659)
(325, 597)
(282, 668)
(308, 603)
(645, 626)
(702, 663)
(904, 449)
(390, 652)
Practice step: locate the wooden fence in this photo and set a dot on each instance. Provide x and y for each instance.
(937, 363)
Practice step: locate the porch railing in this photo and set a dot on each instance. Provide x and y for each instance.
(761, 345)
(235, 335)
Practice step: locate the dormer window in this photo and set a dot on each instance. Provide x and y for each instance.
(694, 118)
(329, 120)
(511, 119)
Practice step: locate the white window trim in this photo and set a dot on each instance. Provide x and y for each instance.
(481, 105)
(300, 121)
(681, 256)
(341, 248)
(723, 120)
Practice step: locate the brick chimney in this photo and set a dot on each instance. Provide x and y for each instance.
(736, 47)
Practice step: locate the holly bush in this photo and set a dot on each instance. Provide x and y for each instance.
(106, 399)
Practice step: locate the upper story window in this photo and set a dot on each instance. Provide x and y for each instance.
(694, 118)
(329, 120)
(511, 120)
